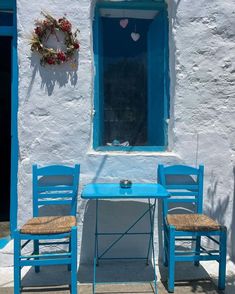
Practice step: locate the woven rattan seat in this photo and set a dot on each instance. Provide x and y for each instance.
(192, 222)
(49, 225)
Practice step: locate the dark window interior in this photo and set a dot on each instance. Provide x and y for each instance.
(125, 81)
(5, 126)
(131, 80)
(6, 18)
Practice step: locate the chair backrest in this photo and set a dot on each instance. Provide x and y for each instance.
(185, 184)
(55, 185)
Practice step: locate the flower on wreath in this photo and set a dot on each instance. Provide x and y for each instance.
(61, 56)
(65, 25)
(44, 28)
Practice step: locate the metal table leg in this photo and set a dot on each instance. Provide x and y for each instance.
(96, 249)
(151, 212)
(152, 237)
(152, 209)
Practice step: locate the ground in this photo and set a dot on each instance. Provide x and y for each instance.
(189, 279)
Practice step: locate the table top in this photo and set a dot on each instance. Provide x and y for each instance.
(113, 190)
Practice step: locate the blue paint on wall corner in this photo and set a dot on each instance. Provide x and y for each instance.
(4, 241)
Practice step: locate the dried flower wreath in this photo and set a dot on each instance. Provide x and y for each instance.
(43, 30)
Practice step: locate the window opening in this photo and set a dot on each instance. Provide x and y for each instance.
(131, 52)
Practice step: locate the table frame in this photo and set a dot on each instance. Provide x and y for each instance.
(150, 211)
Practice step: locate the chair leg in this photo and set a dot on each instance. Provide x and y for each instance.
(69, 265)
(74, 260)
(171, 261)
(36, 252)
(17, 268)
(222, 261)
(165, 247)
(197, 249)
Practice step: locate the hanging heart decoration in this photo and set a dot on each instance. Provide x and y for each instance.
(135, 36)
(124, 23)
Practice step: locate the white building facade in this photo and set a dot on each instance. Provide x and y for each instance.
(56, 109)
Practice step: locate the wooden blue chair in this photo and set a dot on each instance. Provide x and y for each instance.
(52, 185)
(185, 185)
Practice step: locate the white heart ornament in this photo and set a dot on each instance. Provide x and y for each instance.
(135, 36)
(124, 23)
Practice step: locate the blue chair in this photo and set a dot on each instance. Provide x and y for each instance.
(185, 185)
(52, 185)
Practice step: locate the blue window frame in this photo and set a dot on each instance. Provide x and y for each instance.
(131, 95)
(8, 31)
(6, 18)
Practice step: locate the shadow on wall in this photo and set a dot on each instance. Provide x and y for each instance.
(233, 221)
(100, 168)
(218, 206)
(52, 75)
(115, 216)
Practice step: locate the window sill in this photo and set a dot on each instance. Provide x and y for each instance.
(132, 148)
(116, 151)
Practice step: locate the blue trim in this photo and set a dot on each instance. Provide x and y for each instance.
(30, 256)
(44, 237)
(97, 83)
(4, 241)
(53, 261)
(12, 32)
(7, 31)
(166, 75)
(155, 53)
(196, 234)
(7, 4)
(162, 137)
(132, 148)
(14, 129)
(145, 5)
(182, 170)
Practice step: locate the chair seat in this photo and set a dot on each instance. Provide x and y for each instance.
(192, 222)
(49, 225)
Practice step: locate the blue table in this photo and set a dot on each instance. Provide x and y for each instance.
(110, 191)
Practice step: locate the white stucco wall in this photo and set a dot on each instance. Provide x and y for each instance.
(55, 106)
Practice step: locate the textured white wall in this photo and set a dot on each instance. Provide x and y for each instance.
(203, 98)
(55, 105)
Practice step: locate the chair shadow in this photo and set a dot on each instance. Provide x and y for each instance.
(230, 285)
(199, 286)
(185, 271)
(47, 277)
(192, 279)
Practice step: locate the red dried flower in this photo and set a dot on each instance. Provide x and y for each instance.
(38, 31)
(65, 25)
(50, 60)
(61, 56)
(76, 45)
